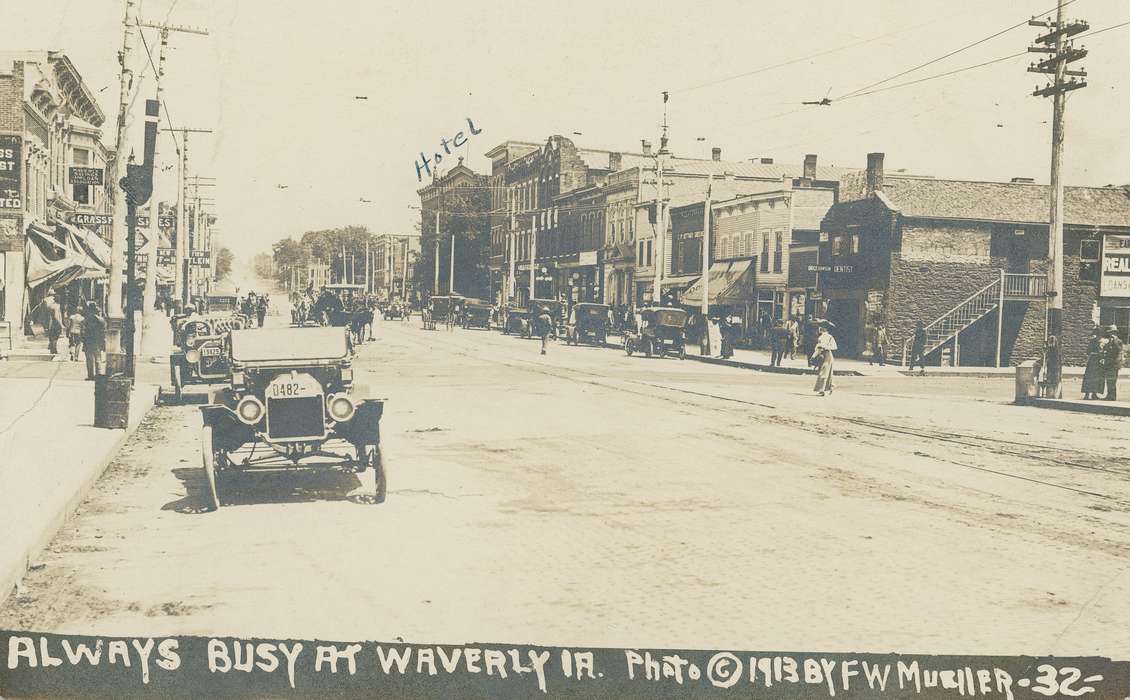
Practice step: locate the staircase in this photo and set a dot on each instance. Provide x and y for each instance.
(1017, 287)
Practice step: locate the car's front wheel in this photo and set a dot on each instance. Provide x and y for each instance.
(208, 453)
(380, 476)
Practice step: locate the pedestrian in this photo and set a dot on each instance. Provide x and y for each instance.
(823, 357)
(261, 310)
(1093, 379)
(1051, 364)
(545, 323)
(52, 322)
(778, 343)
(793, 339)
(879, 345)
(94, 341)
(918, 348)
(73, 325)
(726, 342)
(1112, 362)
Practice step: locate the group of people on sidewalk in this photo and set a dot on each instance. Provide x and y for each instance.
(84, 331)
(1104, 360)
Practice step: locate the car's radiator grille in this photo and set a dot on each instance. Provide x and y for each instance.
(213, 362)
(295, 417)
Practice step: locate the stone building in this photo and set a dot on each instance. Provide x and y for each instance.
(461, 199)
(53, 184)
(968, 260)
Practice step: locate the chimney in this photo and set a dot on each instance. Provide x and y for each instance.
(767, 161)
(1023, 180)
(810, 166)
(715, 153)
(874, 172)
(614, 161)
(646, 147)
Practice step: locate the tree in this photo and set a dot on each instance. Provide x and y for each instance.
(224, 260)
(465, 214)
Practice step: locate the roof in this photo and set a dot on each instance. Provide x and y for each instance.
(748, 169)
(288, 344)
(1005, 201)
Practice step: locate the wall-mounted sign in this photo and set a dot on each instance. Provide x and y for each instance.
(1115, 279)
(79, 218)
(166, 257)
(831, 268)
(11, 181)
(77, 175)
(162, 222)
(587, 257)
(200, 258)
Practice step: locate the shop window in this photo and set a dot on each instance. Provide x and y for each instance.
(779, 305)
(1118, 317)
(778, 251)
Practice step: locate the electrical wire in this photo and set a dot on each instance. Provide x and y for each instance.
(944, 56)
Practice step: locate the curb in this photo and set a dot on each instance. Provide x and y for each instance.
(754, 366)
(9, 580)
(1099, 407)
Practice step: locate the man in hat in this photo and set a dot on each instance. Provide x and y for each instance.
(1112, 362)
(52, 322)
(94, 341)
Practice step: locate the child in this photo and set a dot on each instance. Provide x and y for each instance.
(73, 327)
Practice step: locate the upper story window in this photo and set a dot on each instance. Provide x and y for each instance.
(778, 251)
(764, 251)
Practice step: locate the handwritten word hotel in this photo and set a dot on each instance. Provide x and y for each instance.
(424, 164)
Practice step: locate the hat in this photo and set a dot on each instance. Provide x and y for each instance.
(1111, 329)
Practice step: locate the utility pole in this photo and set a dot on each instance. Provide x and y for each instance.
(451, 267)
(533, 252)
(660, 260)
(1060, 52)
(706, 261)
(180, 284)
(154, 231)
(435, 283)
(404, 275)
(118, 171)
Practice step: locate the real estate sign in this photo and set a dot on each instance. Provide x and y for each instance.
(1115, 280)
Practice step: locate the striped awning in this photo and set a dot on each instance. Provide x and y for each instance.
(730, 283)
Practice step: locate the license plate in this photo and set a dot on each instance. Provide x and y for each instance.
(210, 352)
(287, 390)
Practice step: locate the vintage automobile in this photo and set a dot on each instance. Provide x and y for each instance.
(200, 354)
(476, 314)
(393, 310)
(588, 323)
(290, 405)
(516, 320)
(660, 330)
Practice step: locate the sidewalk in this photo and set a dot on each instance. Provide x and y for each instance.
(53, 454)
(1107, 408)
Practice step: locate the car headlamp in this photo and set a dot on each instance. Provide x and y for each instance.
(193, 356)
(341, 407)
(250, 410)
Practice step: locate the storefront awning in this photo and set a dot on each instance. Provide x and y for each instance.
(730, 283)
(90, 243)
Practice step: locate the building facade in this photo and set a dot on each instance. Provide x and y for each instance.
(969, 260)
(54, 199)
(393, 256)
(455, 219)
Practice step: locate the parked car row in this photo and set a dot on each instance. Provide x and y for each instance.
(285, 400)
(656, 331)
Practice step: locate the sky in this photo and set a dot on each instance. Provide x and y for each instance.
(292, 149)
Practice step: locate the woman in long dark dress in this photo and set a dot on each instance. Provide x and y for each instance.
(1093, 383)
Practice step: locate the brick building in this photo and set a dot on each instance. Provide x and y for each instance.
(968, 259)
(49, 126)
(392, 255)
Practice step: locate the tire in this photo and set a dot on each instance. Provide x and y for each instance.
(380, 476)
(208, 452)
(178, 383)
(628, 348)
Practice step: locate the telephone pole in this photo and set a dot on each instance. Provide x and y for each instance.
(118, 171)
(1055, 42)
(660, 257)
(180, 285)
(706, 259)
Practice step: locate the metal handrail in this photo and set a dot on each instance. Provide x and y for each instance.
(906, 343)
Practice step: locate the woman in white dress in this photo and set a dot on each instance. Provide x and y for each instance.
(823, 355)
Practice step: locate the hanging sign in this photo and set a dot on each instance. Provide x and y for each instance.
(1115, 279)
(11, 184)
(77, 175)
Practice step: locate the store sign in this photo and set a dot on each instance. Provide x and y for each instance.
(831, 268)
(1115, 279)
(166, 257)
(169, 222)
(11, 183)
(79, 218)
(819, 268)
(77, 175)
(200, 258)
(587, 257)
